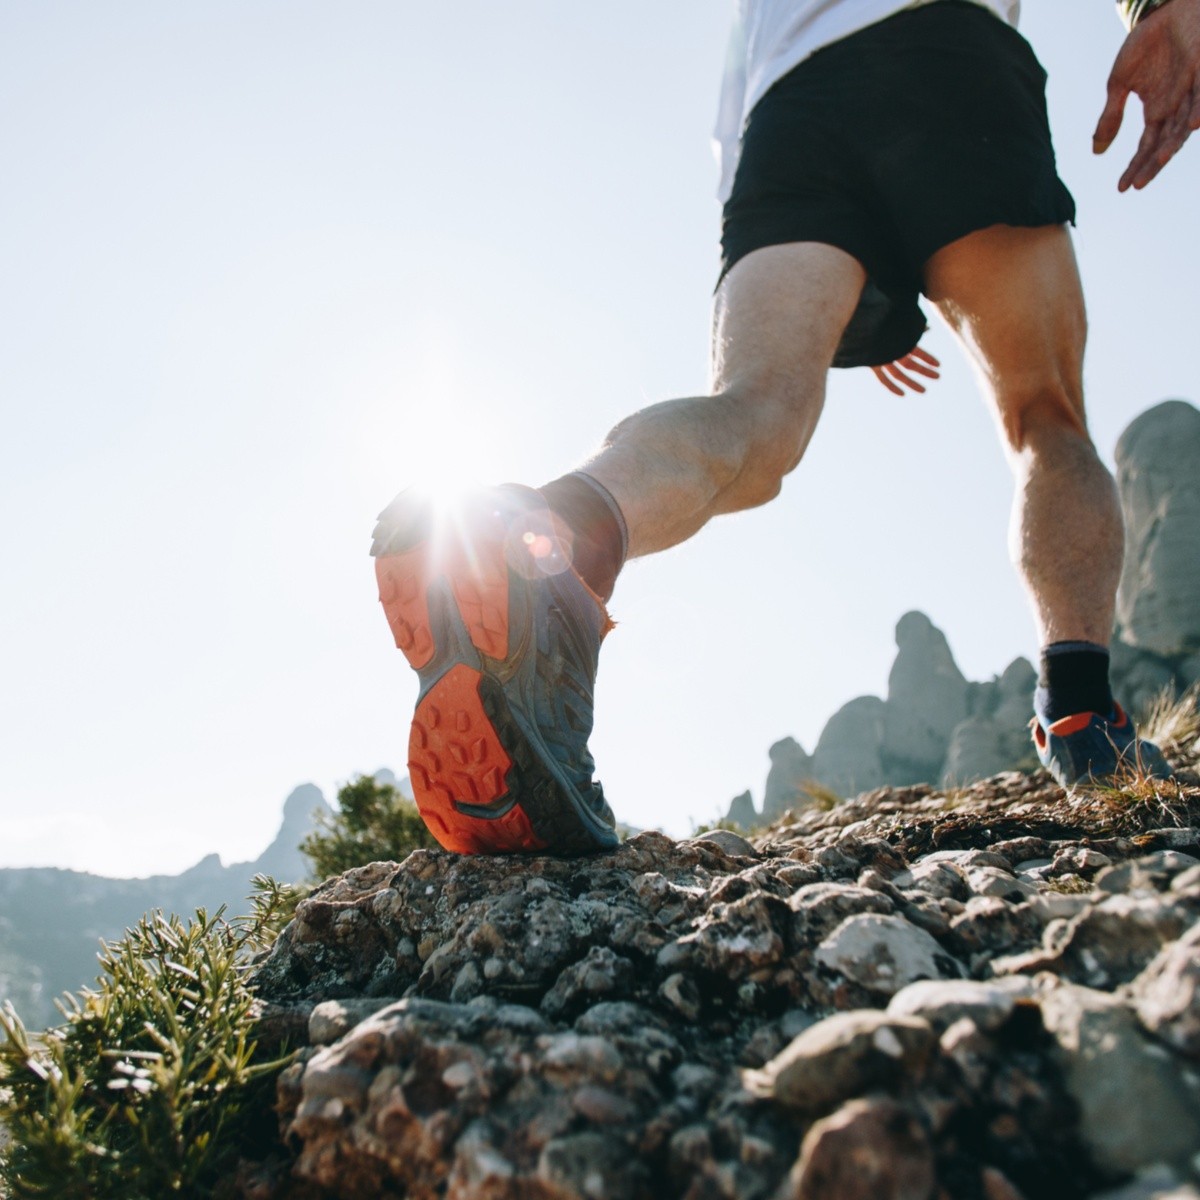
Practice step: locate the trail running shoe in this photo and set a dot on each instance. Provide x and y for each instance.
(1088, 748)
(505, 638)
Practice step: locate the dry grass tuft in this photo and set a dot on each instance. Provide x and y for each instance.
(1132, 788)
(823, 798)
(1169, 722)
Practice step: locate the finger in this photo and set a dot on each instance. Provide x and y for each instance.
(925, 356)
(887, 383)
(1142, 155)
(911, 363)
(1109, 124)
(907, 380)
(1156, 156)
(1166, 151)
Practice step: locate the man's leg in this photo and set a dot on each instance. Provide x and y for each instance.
(1013, 296)
(779, 315)
(1014, 299)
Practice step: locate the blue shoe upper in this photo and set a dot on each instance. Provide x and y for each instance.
(1090, 748)
(556, 625)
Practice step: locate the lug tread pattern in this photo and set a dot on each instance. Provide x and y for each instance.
(402, 592)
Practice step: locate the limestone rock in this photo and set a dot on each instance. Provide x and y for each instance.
(1136, 1106)
(791, 768)
(1167, 994)
(1138, 676)
(994, 738)
(1158, 605)
(978, 747)
(848, 754)
(742, 812)
(943, 1002)
(882, 954)
(927, 698)
(1189, 670)
(732, 843)
(842, 1056)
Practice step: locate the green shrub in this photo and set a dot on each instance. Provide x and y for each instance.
(150, 1088)
(375, 822)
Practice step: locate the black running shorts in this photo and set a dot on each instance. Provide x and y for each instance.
(890, 144)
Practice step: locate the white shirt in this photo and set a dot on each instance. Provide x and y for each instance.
(770, 37)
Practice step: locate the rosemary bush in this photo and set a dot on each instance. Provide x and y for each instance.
(150, 1087)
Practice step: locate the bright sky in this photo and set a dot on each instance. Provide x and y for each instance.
(261, 264)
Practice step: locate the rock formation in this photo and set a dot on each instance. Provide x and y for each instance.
(1159, 599)
(791, 769)
(934, 725)
(926, 701)
(990, 996)
(1158, 605)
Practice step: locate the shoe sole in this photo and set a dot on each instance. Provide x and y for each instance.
(479, 774)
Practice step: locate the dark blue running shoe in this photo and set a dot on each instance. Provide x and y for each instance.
(1088, 748)
(505, 638)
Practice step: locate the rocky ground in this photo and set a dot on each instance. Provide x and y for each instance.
(984, 995)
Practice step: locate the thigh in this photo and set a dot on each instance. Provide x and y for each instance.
(779, 314)
(1014, 298)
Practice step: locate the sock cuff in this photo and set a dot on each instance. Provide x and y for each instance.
(610, 503)
(1056, 648)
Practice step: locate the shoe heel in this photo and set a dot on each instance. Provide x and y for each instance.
(456, 758)
(405, 523)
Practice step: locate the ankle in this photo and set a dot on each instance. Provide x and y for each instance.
(1073, 679)
(601, 539)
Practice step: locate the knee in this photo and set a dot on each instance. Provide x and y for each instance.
(774, 426)
(1043, 414)
(743, 439)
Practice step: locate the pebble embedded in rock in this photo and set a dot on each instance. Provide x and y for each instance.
(842, 1056)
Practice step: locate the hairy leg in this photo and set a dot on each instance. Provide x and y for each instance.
(779, 315)
(1014, 299)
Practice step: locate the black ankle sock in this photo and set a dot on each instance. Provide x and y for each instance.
(593, 516)
(1073, 679)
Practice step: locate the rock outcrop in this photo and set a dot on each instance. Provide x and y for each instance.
(1158, 607)
(970, 997)
(791, 769)
(926, 701)
(933, 726)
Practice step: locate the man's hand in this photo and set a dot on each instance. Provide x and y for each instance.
(1160, 64)
(894, 377)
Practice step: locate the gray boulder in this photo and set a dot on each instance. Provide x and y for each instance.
(1158, 606)
(1137, 1106)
